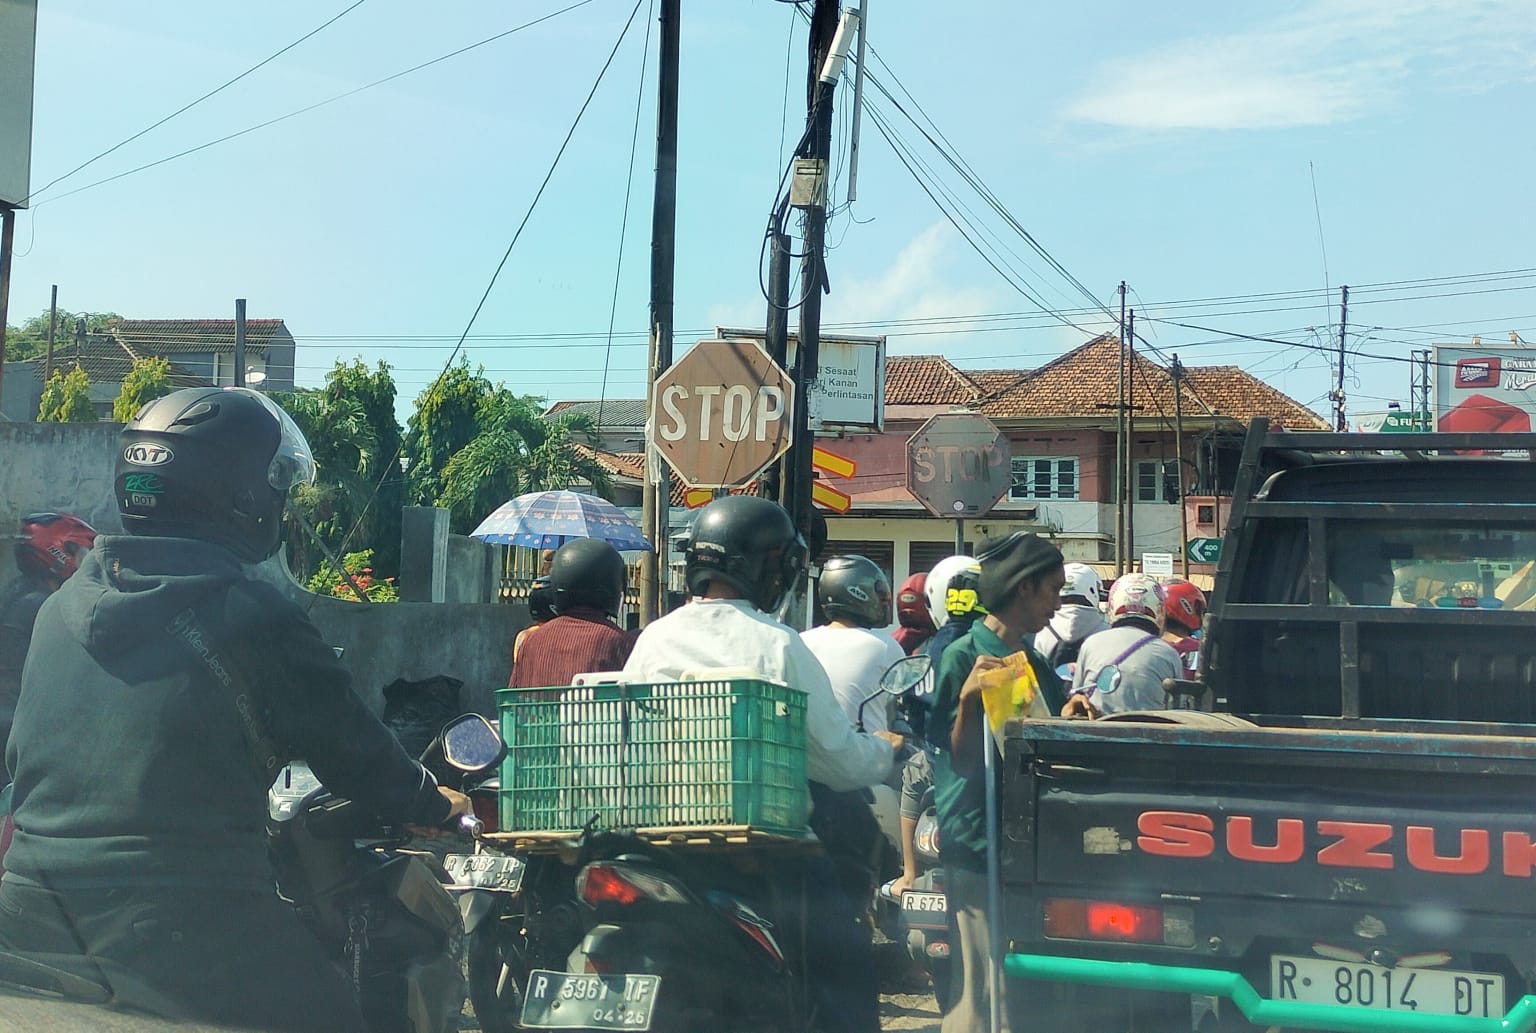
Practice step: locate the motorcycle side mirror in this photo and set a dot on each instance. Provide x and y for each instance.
(1108, 680)
(472, 744)
(905, 674)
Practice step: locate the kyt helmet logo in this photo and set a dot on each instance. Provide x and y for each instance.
(141, 454)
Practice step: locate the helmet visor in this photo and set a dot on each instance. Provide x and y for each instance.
(293, 463)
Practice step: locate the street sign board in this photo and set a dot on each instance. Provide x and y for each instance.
(957, 465)
(1203, 550)
(1158, 564)
(722, 413)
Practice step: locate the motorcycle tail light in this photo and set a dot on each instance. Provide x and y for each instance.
(926, 840)
(485, 808)
(613, 883)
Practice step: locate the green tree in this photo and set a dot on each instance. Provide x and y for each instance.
(346, 452)
(31, 337)
(149, 379)
(445, 421)
(67, 398)
(374, 392)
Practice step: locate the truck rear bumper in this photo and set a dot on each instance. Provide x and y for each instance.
(1140, 975)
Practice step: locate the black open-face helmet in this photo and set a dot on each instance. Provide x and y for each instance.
(856, 590)
(751, 544)
(588, 572)
(541, 600)
(210, 463)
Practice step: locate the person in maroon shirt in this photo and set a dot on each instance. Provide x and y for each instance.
(588, 577)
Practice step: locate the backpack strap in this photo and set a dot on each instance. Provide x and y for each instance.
(188, 632)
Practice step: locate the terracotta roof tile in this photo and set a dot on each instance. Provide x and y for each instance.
(1085, 380)
(927, 380)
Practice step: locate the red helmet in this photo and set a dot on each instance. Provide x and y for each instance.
(912, 604)
(1186, 603)
(50, 544)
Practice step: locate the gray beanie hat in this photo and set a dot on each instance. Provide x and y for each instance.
(1007, 561)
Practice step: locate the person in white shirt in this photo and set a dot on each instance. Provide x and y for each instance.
(1123, 668)
(855, 595)
(742, 559)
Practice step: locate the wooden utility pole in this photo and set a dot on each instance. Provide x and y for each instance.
(1120, 448)
(1130, 439)
(1177, 370)
(1340, 420)
(774, 484)
(53, 317)
(7, 256)
(657, 496)
(239, 344)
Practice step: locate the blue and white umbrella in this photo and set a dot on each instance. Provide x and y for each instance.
(549, 519)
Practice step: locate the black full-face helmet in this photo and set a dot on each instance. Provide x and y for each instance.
(751, 544)
(213, 464)
(588, 572)
(856, 590)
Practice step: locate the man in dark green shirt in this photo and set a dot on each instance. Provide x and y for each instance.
(1021, 579)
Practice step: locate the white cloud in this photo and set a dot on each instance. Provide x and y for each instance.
(1330, 62)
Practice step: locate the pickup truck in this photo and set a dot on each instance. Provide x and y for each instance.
(1348, 842)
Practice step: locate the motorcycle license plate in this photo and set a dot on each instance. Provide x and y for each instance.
(497, 872)
(1434, 991)
(921, 909)
(572, 1000)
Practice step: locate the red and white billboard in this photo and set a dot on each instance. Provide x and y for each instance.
(1480, 388)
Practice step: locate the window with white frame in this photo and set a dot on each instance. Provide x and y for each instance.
(1157, 480)
(1044, 477)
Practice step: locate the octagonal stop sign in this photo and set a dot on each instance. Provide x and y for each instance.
(722, 413)
(957, 465)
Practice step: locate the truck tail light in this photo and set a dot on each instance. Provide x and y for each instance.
(1114, 921)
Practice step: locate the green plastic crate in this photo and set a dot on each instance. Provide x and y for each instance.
(728, 752)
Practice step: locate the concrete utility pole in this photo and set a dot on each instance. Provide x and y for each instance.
(1340, 420)
(774, 485)
(239, 344)
(53, 317)
(1177, 370)
(656, 498)
(811, 171)
(7, 256)
(1130, 439)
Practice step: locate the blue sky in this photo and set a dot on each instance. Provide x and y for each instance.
(1171, 146)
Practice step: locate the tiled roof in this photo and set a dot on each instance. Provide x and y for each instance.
(927, 380)
(1083, 382)
(106, 361)
(615, 412)
(163, 336)
(619, 464)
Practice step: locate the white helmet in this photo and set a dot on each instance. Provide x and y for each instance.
(1136, 595)
(938, 585)
(1082, 580)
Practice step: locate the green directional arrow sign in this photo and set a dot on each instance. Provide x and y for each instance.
(1204, 550)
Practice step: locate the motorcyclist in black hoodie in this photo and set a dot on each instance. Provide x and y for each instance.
(158, 674)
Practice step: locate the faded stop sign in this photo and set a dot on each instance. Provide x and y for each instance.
(957, 465)
(722, 413)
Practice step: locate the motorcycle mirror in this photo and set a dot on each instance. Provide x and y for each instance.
(906, 673)
(1108, 680)
(472, 744)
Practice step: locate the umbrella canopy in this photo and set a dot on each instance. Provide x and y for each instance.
(549, 519)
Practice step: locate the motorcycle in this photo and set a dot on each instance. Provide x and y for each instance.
(382, 911)
(687, 940)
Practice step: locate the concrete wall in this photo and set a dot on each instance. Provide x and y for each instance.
(69, 466)
(22, 392)
(474, 570)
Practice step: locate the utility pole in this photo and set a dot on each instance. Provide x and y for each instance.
(656, 498)
(53, 317)
(809, 193)
(239, 344)
(774, 483)
(1177, 370)
(1120, 449)
(7, 256)
(1340, 420)
(1130, 439)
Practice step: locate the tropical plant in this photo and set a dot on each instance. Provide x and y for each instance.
(31, 337)
(345, 453)
(150, 378)
(329, 581)
(67, 398)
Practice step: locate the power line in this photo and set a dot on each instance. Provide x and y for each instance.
(317, 104)
(187, 107)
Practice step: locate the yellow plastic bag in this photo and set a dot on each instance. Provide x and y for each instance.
(1010, 691)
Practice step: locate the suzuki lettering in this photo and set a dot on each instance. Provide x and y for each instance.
(141, 454)
(1339, 844)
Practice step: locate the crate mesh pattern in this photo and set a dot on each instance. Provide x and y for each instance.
(728, 752)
